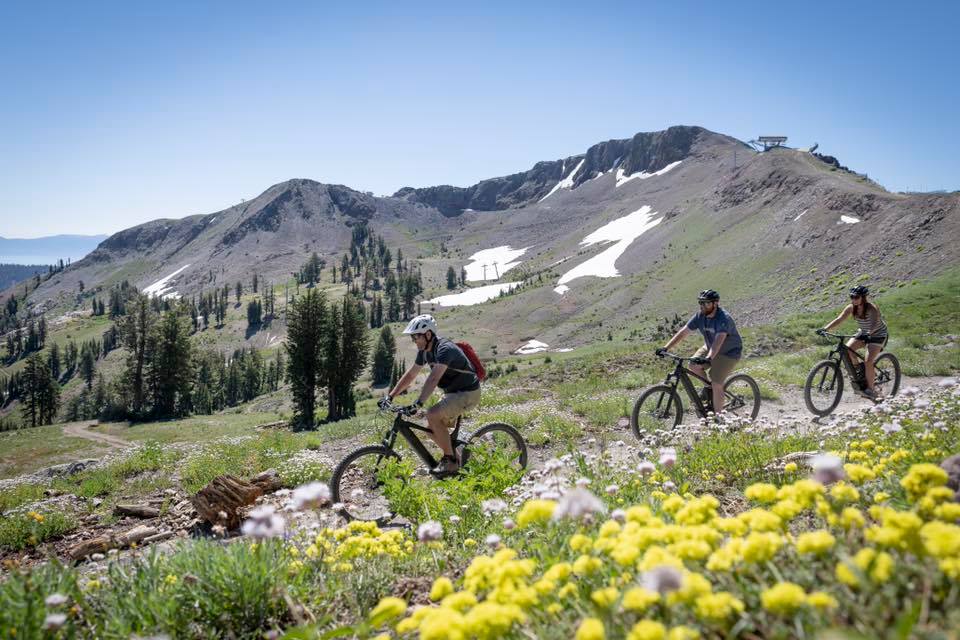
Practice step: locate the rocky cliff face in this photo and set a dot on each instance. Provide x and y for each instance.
(648, 152)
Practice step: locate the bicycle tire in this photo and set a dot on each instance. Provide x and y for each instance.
(488, 431)
(754, 389)
(829, 371)
(894, 379)
(374, 504)
(674, 405)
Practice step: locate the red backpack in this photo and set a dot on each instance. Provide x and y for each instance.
(474, 359)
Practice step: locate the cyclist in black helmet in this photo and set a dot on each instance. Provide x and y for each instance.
(722, 346)
(872, 333)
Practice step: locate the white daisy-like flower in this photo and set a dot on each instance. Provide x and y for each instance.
(509, 524)
(576, 504)
(312, 495)
(54, 621)
(668, 457)
(612, 489)
(492, 540)
(827, 468)
(56, 600)
(582, 483)
(619, 515)
(892, 427)
(430, 531)
(454, 519)
(662, 579)
(262, 523)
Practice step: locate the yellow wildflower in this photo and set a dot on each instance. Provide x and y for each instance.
(442, 587)
(591, 629)
(815, 542)
(647, 630)
(761, 492)
(717, 607)
(821, 600)
(783, 598)
(639, 599)
(535, 512)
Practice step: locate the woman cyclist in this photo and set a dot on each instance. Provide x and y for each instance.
(872, 332)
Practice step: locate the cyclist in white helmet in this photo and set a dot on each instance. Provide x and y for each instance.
(451, 370)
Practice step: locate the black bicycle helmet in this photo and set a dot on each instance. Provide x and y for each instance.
(708, 295)
(859, 290)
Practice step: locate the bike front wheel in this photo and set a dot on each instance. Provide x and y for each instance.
(360, 483)
(658, 407)
(823, 388)
(887, 380)
(495, 444)
(741, 396)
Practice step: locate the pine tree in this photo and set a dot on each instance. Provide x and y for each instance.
(170, 370)
(136, 333)
(383, 357)
(87, 366)
(451, 278)
(53, 360)
(463, 275)
(353, 351)
(307, 324)
(256, 282)
(41, 393)
(239, 290)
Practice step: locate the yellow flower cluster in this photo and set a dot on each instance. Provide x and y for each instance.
(338, 547)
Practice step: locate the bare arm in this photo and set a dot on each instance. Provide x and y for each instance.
(406, 380)
(840, 318)
(717, 343)
(677, 337)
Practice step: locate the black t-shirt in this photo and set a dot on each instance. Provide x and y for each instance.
(447, 352)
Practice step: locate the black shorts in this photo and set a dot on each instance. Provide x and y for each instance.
(880, 340)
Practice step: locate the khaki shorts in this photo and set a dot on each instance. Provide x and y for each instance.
(455, 404)
(720, 367)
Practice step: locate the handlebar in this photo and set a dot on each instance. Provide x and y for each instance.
(673, 356)
(837, 336)
(398, 409)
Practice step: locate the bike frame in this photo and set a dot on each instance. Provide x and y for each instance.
(682, 375)
(406, 429)
(839, 354)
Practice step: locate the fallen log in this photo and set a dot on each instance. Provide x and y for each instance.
(103, 544)
(136, 511)
(219, 502)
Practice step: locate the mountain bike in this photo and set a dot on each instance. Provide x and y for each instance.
(824, 386)
(660, 405)
(362, 479)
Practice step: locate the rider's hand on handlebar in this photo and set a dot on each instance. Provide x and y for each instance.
(661, 352)
(385, 402)
(412, 409)
(821, 332)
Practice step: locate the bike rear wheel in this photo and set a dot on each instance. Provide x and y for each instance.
(359, 482)
(887, 380)
(741, 396)
(823, 388)
(658, 407)
(495, 444)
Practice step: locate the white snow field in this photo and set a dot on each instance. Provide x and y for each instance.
(162, 289)
(566, 183)
(491, 264)
(848, 220)
(623, 179)
(562, 289)
(532, 346)
(474, 296)
(621, 232)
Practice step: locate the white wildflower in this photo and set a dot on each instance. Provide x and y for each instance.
(662, 579)
(310, 496)
(54, 621)
(827, 468)
(494, 505)
(493, 540)
(56, 600)
(668, 457)
(430, 531)
(576, 504)
(262, 523)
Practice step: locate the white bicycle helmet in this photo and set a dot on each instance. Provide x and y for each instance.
(421, 324)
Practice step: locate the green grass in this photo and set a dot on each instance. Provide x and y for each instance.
(20, 494)
(108, 479)
(192, 429)
(29, 450)
(24, 530)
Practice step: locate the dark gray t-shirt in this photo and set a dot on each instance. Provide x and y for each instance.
(447, 352)
(721, 322)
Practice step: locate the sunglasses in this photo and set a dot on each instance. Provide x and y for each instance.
(703, 302)
(854, 297)
(414, 336)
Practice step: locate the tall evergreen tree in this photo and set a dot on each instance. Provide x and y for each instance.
(170, 368)
(451, 278)
(354, 352)
(383, 357)
(87, 366)
(136, 332)
(307, 323)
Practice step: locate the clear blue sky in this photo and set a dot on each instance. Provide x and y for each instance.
(115, 113)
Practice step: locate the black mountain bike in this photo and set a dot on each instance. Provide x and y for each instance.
(360, 481)
(824, 386)
(660, 405)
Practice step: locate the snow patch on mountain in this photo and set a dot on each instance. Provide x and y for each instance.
(623, 179)
(491, 264)
(531, 347)
(474, 296)
(566, 183)
(163, 288)
(621, 232)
